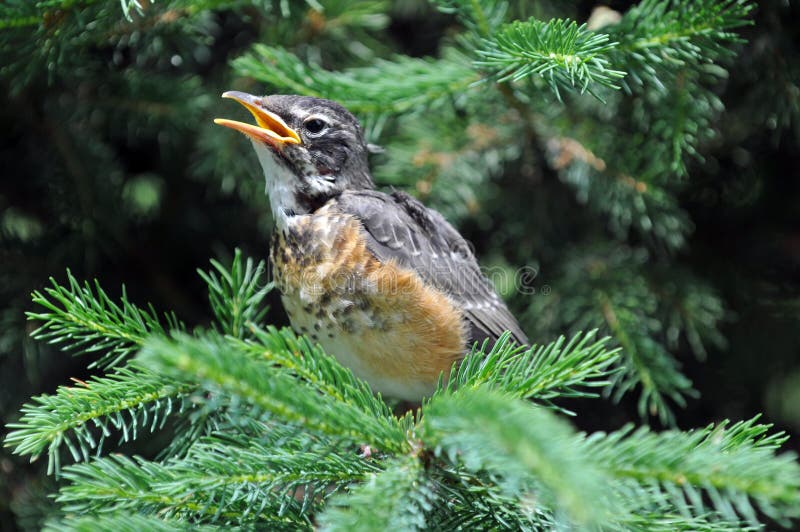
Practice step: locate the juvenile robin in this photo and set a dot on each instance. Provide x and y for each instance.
(383, 283)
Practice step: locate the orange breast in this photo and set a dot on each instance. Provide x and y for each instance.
(379, 319)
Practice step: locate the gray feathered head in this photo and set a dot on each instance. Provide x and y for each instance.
(311, 149)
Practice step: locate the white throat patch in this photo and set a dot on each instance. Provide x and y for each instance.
(282, 185)
(279, 185)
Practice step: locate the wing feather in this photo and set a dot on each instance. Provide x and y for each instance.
(399, 227)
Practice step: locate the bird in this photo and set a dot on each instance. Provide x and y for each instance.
(381, 282)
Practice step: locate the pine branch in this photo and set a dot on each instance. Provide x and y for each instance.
(308, 362)
(20, 13)
(565, 55)
(682, 117)
(214, 414)
(292, 354)
(668, 520)
(530, 451)
(279, 475)
(223, 479)
(130, 400)
(607, 290)
(246, 476)
(236, 293)
(233, 421)
(479, 16)
(660, 37)
(541, 373)
(649, 364)
(57, 49)
(732, 470)
(451, 173)
(468, 501)
(668, 48)
(120, 484)
(394, 499)
(220, 367)
(137, 6)
(646, 315)
(123, 522)
(384, 88)
(691, 310)
(628, 190)
(83, 316)
(32, 13)
(87, 319)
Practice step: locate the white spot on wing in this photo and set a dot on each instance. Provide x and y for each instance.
(414, 249)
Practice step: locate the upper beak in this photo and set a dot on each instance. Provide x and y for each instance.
(271, 128)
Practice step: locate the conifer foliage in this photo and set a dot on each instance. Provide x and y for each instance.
(242, 423)
(271, 431)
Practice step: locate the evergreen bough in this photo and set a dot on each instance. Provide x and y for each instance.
(275, 433)
(264, 430)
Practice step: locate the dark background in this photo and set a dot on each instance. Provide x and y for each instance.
(117, 192)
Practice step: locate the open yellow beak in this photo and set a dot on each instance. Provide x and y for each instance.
(271, 128)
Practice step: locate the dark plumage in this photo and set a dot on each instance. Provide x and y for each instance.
(401, 228)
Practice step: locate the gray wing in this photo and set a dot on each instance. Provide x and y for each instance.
(399, 227)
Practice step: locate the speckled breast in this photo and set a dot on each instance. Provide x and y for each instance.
(377, 318)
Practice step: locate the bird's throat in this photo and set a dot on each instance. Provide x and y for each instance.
(281, 185)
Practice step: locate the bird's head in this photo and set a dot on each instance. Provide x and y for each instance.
(311, 149)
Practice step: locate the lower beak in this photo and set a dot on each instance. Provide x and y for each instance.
(270, 129)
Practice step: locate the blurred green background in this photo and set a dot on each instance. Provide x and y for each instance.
(112, 167)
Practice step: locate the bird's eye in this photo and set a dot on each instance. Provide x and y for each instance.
(315, 125)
